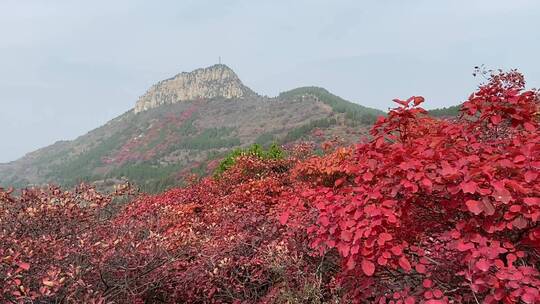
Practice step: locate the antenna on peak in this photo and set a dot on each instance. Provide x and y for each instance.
(219, 59)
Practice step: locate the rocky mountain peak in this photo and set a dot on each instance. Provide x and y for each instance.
(215, 81)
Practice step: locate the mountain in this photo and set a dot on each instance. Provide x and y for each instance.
(184, 125)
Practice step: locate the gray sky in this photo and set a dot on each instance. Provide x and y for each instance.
(67, 67)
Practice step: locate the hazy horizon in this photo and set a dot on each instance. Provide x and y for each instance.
(70, 66)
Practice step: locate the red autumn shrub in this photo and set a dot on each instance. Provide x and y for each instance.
(438, 211)
(48, 241)
(217, 241)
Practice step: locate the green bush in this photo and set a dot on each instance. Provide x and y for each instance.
(273, 152)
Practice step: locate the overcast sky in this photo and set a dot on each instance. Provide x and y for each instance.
(67, 67)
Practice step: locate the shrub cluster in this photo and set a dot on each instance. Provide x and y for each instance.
(438, 211)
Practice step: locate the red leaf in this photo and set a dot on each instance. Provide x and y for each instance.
(344, 249)
(351, 263)
(382, 261)
(462, 246)
(511, 258)
(519, 222)
(427, 182)
(346, 235)
(496, 119)
(499, 264)
(515, 208)
(437, 293)
(418, 100)
(401, 102)
(324, 221)
(368, 267)
(483, 265)
(420, 268)
(532, 201)
(383, 238)
(397, 250)
(368, 176)
(455, 234)
(404, 263)
(284, 218)
(24, 266)
(529, 127)
(447, 169)
(475, 207)
(469, 187)
(529, 297)
(433, 301)
(379, 142)
(530, 176)
(519, 159)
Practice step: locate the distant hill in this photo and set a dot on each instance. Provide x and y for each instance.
(182, 125)
(445, 112)
(353, 111)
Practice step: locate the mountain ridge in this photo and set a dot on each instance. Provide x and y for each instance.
(182, 125)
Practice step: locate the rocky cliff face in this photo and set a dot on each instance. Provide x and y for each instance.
(211, 82)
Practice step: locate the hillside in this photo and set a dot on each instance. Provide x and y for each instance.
(446, 111)
(180, 125)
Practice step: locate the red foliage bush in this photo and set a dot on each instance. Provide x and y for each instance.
(428, 211)
(49, 242)
(436, 210)
(220, 238)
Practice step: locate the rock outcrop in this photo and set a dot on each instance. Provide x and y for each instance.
(211, 82)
